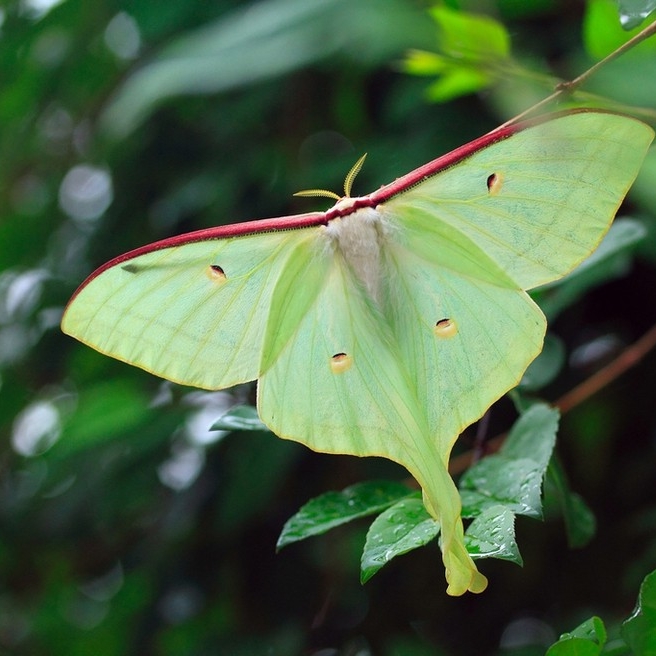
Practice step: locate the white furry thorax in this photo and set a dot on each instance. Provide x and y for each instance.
(358, 237)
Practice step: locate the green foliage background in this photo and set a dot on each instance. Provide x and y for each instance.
(125, 526)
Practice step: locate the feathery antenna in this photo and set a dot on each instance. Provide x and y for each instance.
(348, 184)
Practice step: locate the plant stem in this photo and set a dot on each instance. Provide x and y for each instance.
(568, 87)
(631, 43)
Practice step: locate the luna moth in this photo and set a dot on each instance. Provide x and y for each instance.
(388, 323)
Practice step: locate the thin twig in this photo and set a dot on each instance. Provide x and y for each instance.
(480, 443)
(567, 87)
(629, 357)
(632, 42)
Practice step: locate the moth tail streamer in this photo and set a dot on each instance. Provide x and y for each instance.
(442, 501)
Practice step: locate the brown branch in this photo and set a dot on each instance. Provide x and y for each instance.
(628, 358)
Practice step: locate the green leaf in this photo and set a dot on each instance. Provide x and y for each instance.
(516, 483)
(457, 81)
(580, 522)
(639, 630)
(421, 62)
(533, 435)
(336, 508)
(587, 639)
(403, 527)
(611, 260)
(492, 535)
(470, 37)
(470, 45)
(513, 477)
(453, 78)
(240, 418)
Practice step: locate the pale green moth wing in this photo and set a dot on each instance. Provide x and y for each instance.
(473, 330)
(340, 383)
(178, 313)
(387, 324)
(549, 196)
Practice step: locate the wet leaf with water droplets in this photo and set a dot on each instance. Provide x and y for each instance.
(587, 639)
(516, 484)
(335, 508)
(533, 435)
(403, 527)
(639, 630)
(513, 477)
(492, 535)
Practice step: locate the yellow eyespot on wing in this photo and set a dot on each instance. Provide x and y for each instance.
(340, 362)
(215, 273)
(445, 328)
(494, 183)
